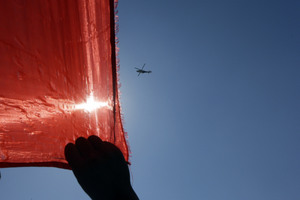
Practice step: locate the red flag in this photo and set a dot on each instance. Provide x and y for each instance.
(58, 79)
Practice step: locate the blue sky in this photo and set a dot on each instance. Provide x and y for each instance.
(219, 116)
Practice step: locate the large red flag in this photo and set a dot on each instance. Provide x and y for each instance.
(58, 79)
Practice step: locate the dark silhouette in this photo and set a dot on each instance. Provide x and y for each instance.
(138, 70)
(100, 169)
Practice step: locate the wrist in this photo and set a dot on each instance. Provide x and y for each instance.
(126, 193)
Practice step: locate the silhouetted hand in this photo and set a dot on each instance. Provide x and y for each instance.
(100, 169)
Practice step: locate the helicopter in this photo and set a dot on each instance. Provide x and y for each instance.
(142, 71)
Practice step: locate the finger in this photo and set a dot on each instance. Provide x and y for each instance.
(113, 150)
(111, 147)
(96, 142)
(84, 147)
(73, 156)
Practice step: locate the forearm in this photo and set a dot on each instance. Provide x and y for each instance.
(124, 194)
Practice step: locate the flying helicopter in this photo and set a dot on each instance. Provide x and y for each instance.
(142, 71)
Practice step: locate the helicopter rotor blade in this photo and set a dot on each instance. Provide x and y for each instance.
(143, 66)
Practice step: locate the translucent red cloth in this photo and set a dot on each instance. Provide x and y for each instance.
(58, 79)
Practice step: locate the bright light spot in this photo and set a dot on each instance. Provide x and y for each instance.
(91, 105)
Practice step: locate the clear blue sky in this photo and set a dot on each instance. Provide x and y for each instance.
(219, 117)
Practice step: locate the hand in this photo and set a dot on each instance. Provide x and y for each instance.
(100, 169)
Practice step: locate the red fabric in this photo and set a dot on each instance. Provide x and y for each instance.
(54, 55)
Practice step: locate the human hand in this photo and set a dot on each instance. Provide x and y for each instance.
(100, 169)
